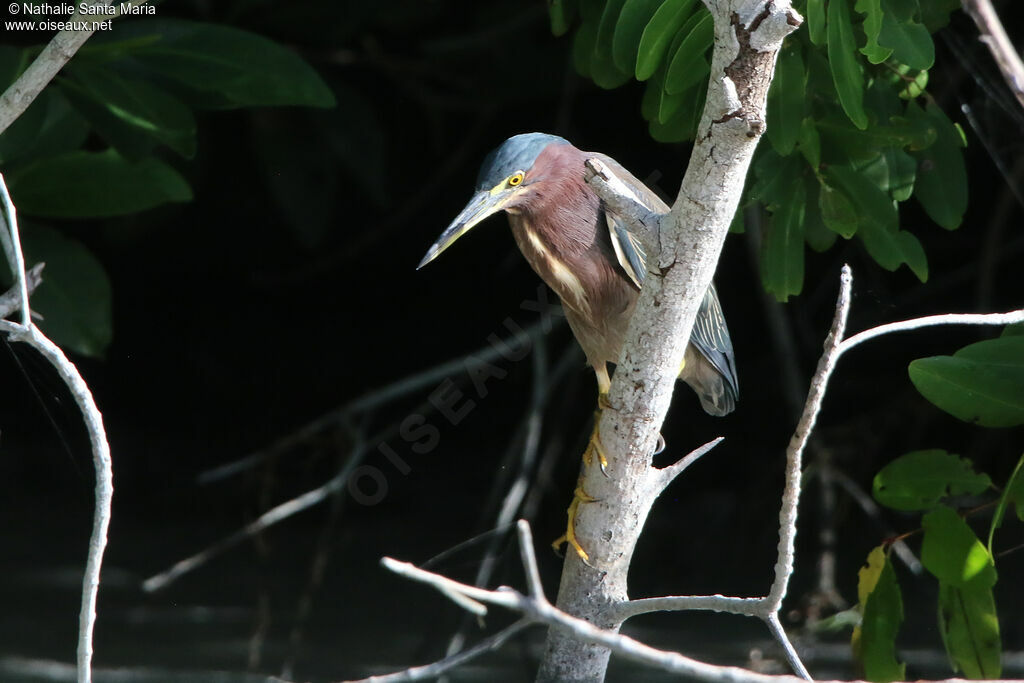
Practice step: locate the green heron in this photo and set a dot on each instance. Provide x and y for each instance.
(596, 266)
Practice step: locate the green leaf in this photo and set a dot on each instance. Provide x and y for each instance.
(941, 185)
(561, 12)
(810, 143)
(131, 114)
(816, 21)
(902, 172)
(75, 297)
(782, 253)
(669, 104)
(242, 68)
(689, 64)
(659, 34)
(683, 124)
(874, 641)
(842, 56)
(1015, 330)
(94, 185)
(583, 47)
(603, 70)
(877, 224)
(1013, 494)
(970, 629)
(872, 11)
(786, 101)
(935, 13)
(633, 19)
(818, 236)
(910, 42)
(981, 383)
(920, 479)
(49, 126)
(952, 553)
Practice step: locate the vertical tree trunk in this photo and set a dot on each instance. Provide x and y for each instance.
(748, 35)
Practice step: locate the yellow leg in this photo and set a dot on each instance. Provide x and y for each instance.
(579, 496)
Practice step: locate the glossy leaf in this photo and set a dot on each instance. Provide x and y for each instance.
(910, 42)
(1013, 494)
(669, 104)
(920, 479)
(131, 114)
(603, 70)
(659, 34)
(951, 551)
(633, 19)
(877, 224)
(75, 296)
(241, 68)
(970, 629)
(561, 13)
(941, 185)
(874, 640)
(816, 21)
(782, 252)
(873, 14)
(94, 185)
(982, 383)
(688, 64)
(846, 70)
(786, 101)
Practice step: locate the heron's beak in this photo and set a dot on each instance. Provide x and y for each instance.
(483, 204)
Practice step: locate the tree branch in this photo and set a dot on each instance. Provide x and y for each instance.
(20, 94)
(994, 35)
(30, 334)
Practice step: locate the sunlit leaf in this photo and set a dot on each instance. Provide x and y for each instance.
(688, 64)
(816, 21)
(846, 70)
(1013, 494)
(910, 42)
(970, 629)
(659, 34)
(874, 640)
(920, 479)
(952, 552)
(872, 11)
(982, 383)
(633, 19)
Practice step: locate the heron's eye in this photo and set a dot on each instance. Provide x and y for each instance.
(515, 178)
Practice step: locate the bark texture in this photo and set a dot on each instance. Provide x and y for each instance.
(748, 35)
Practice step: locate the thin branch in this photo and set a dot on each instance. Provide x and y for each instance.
(626, 202)
(794, 452)
(104, 489)
(999, 44)
(429, 671)
(17, 98)
(11, 241)
(529, 558)
(749, 607)
(10, 300)
(668, 474)
(1009, 318)
(775, 626)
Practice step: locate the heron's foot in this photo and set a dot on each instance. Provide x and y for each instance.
(602, 401)
(579, 496)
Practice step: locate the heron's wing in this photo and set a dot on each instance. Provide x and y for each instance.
(710, 333)
(629, 251)
(711, 337)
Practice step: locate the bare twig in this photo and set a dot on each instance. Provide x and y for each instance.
(30, 334)
(668, 474)
(431, 671)
(1010, 318)
(10, 300)
(999, 44)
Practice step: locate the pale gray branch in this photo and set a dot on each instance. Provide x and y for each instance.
(40, 72)
(999, 44)
(623, 201)
(668, 474)
(775, 626)
(750, 607)
(10, 300)
(28, 333)
(1010, 318)
(794, 452)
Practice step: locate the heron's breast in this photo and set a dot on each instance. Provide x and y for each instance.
(557, 272)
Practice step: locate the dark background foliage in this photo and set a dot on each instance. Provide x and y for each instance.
(287, 287)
